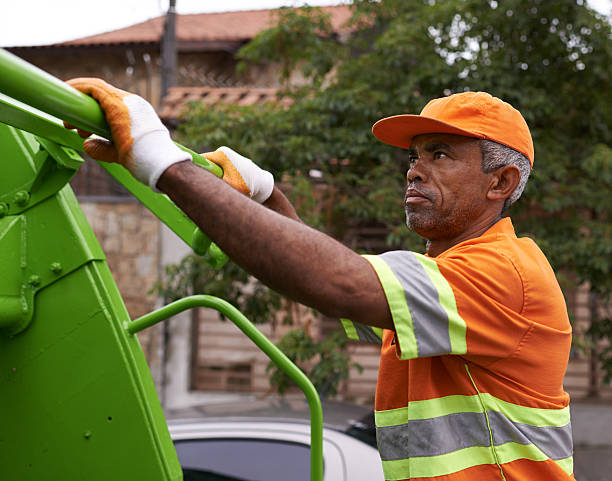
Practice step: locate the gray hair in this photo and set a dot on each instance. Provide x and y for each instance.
(496, 155)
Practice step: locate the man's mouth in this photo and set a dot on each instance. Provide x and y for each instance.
(415, 196)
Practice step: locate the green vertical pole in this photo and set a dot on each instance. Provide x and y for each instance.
(273, 352)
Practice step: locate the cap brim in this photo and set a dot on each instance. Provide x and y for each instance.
(399, 130)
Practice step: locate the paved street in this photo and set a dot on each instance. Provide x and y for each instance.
(592, 428)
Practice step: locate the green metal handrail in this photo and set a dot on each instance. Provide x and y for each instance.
(273, 352)
(35, 87)
(28, 94)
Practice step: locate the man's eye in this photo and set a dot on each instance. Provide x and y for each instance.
(412, 159)
(438, 155)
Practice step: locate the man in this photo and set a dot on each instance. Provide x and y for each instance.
(475, 334)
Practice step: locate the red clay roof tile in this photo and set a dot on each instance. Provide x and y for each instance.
(174, 102)
(202, 27)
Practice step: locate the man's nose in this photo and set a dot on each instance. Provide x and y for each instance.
(416, 172)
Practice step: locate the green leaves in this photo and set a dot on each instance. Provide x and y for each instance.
(551, 60)
(326, 363)
(302, 39)
(193, 275)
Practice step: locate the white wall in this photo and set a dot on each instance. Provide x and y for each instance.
(175, 394)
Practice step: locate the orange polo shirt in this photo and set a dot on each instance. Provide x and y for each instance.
(470, 384)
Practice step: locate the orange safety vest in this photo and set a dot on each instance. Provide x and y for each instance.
(470, 385)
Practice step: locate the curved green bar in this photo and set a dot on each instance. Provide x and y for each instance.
(41, 90)
(37, 88)
(273, 352)
(33, 87)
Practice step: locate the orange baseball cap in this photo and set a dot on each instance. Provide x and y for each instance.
(472, 114)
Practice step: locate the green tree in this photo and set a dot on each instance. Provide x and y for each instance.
(551, 60)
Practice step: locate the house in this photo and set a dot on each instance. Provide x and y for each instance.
(130, 58)
(191, 358)
(205, 354)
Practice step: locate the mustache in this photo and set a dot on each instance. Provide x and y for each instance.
(414, 189)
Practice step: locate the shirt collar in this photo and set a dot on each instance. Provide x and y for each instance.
(502, 226)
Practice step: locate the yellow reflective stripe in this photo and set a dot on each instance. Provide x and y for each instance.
(512, 451)
(426, 409)
(456, 324)
(430, 466)
(391, 417)
(361, 332)
(445, 405)
(431, 408)
(349, 329)
(540, 417)
(566, 464)
(396, 299)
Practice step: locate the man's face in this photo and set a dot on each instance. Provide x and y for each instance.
(446, 187)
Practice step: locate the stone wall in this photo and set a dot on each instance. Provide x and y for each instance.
(129, 235)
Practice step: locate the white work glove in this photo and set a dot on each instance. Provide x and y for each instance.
(141, 143)
(243, 174)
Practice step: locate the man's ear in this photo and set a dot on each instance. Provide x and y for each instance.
(503, 182)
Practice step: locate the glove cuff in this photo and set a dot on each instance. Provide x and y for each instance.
(157, 152)
(265, 186)
(258, 182)
(153, 151)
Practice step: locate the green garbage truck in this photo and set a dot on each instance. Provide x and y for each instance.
(76, 395)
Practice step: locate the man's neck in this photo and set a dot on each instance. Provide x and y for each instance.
(436, 247)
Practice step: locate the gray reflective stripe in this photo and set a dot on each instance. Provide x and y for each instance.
(432, 437)
(366, 334)
(555, 442)
(446, 434)
(430, 320)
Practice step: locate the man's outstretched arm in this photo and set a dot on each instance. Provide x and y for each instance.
(279, 203)
(300, 262)
(290, 257)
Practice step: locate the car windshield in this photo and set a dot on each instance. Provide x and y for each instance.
(364, 429)
(243, 460)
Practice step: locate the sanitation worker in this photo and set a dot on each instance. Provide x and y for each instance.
(475, 334)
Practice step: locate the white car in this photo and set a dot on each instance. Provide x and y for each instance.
(269, 441)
